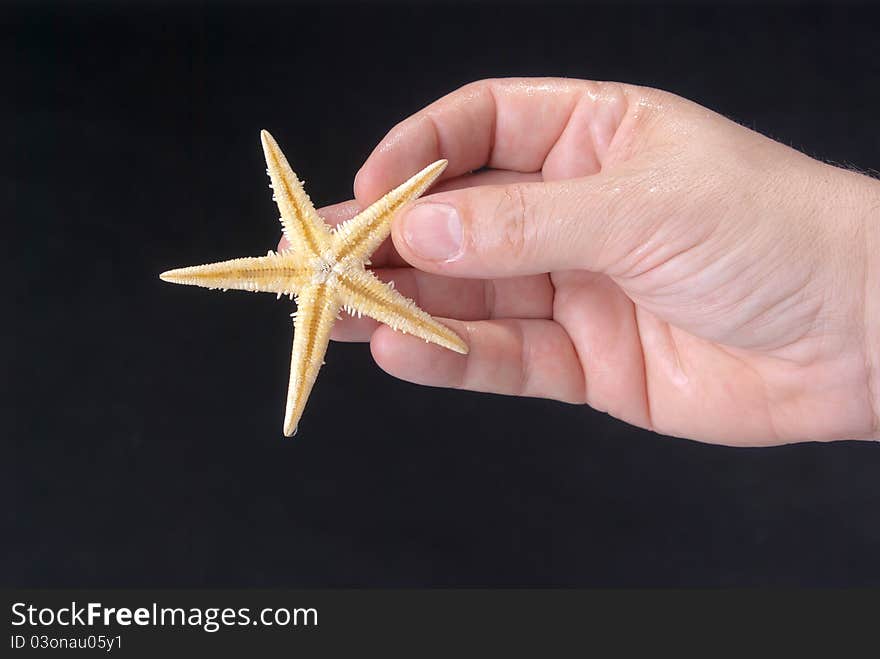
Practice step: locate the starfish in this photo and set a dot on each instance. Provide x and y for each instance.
(325, 270)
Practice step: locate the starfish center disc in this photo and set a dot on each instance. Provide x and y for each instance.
(324, 270)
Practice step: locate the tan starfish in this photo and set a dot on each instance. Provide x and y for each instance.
(325, 270)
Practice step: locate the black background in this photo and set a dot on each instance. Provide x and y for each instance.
(141, 422)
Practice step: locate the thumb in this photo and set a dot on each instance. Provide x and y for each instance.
(516, 229)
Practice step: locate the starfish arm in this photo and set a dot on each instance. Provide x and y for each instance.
(359, 237)
(304, 229)
(317, 307)
(362, 293)
(273, 273)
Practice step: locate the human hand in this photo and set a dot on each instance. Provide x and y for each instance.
(626, 248)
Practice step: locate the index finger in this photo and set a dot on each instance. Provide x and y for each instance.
(510, 124)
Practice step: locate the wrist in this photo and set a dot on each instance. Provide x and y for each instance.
(871, 233)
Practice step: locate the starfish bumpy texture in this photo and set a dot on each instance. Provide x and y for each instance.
(325, 270)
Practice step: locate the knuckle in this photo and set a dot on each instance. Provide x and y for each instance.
(652, 116)
(509, 223)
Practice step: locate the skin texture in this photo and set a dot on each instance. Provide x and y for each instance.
(628, 249)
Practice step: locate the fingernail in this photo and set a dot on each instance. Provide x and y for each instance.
(433, 231)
